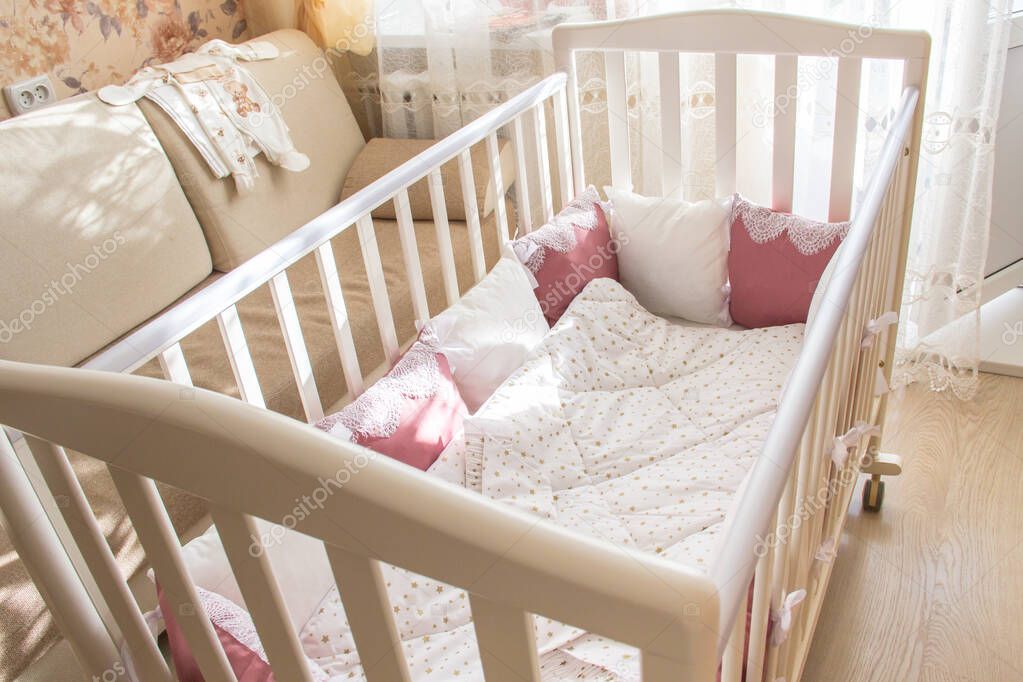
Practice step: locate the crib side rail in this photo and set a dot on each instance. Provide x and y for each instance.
(256, 464)
(162, 333)
(726, 34)
(789, 518)
(522, 119)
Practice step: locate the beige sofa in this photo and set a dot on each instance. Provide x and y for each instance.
(111, 217)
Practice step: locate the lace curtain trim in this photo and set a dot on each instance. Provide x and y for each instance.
(938, 371)
(377, 412)
(809, 237)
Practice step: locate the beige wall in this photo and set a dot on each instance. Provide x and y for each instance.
(85, 44)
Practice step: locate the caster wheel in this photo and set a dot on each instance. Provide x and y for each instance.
(873, 495)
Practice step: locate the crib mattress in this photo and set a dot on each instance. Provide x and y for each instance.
(621, 426)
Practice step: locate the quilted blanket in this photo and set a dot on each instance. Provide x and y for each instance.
(620, 425)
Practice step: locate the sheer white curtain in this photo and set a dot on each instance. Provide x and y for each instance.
(441, 63)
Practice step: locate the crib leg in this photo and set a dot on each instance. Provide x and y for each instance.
(883, 464)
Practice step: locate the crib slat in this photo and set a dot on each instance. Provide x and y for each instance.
(435, 182)
(725, 104)
(294, 342)
(506, 640)
(364, 596)
(522, 200)
(779, 572)
(732, 664)
(671, 125)
(410, 252)
(575, 126)
(377, 286)
(786, 71)
(497, 183)
(618, 119)
(41, 548)
(562, 145)
(238, 355)
(472, 214)
(843, 157)
(62, 482)
(543, 159)
(160, 542)
(172, 362)
(339, 322)
(759, 616)
(238, 532)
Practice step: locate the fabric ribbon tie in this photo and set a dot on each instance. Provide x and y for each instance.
(827, 552)
(781, 618)
(881, 384)
(876, 326)
(842, 444)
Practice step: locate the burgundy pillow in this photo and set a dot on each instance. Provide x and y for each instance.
(567, 253)
(774, 263)
(237, 634)
(411, 414)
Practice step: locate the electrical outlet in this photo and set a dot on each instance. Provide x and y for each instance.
(29, 95)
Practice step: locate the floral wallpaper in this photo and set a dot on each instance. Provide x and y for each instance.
(86, 44)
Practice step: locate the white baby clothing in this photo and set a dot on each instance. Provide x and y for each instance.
(219, 106)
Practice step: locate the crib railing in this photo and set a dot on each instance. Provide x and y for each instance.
(146, 430)
(830, 392)
(196, 442)
(161, 339)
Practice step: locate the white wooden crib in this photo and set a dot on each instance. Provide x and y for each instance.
(686, 623)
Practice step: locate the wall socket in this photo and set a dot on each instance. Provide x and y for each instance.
(29, 95)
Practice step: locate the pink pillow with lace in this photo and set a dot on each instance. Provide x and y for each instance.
(411, 414)
(237, 634)
(567, 253)
(774, 263)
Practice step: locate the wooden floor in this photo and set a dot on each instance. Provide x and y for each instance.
(931, 589)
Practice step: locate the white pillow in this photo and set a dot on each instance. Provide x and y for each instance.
(673, 255)
(487, 334)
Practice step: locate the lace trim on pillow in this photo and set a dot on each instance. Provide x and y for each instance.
(808, 236)
(233, 620)
(377, 412)
(558, 235)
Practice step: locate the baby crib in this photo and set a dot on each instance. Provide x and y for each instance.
(687, 624)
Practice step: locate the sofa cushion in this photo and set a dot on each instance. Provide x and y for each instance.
(301, 83)
(382, 155)
(98, 235)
